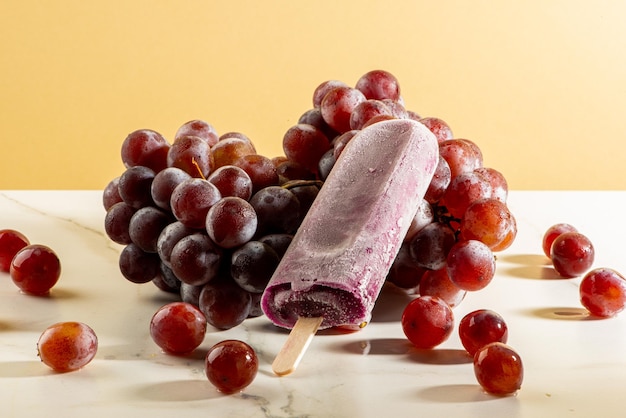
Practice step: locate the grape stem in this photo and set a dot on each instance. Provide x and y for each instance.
(197, 166)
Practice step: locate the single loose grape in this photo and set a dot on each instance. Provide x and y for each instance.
(67, 346)
(572, 254)
(231, 366)
(603, 292)
(11, 241)
(35, 269)
(481, 327)
(427, 321)
(498, 369)
(178, 328)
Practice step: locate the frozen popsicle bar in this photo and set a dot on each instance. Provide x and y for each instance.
(337, 262)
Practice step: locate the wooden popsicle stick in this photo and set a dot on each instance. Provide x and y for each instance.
(297, 342)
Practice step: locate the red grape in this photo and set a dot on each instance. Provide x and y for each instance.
(367, 110)
(438, 283)
(145, 147)
(338, 105)
(439, 182)
(321, 90)
(438, 127)
(498, 369)
(67, 346)
(11, 241)
(231, 366)
(305, 144)
(489, 221)
(228, 150)
(553, 232)
(379, 84)
(192, 155)
(231, 180)
(460, 156)
(198, 128)
(471, 265)
(260, 169)
(427, 321)
(463, 190)
(35, 269)
(178, 328)
(481, 327)
(572, 254)
(603, 292)
(192, 199)
(231, 222)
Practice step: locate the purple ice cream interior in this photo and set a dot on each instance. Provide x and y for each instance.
(337, 262)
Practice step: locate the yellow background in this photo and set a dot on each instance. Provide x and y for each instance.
(540, 85)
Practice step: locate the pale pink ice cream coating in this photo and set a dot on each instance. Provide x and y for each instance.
(339, 258)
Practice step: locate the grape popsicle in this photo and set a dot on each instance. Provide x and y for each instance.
(337, 263)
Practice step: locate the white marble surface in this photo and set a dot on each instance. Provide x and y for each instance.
(574, 367)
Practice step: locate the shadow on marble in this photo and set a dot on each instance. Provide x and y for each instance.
(460, 393)
(179, 391)
(563, 313)
(440, 356)
(374, 347)
(525, 259)
(536, 272)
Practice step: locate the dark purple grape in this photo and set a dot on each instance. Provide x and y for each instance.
(430, 246)
(166, 280)
(224, 303)
(190, 293)
(111, 194)
(255, 307)
(314, 117)
(277, 209)
(164, 183)
(326, 163)
(146, 226)
(138, 266)
(117, 222)
(305, 192)
(278, 242)
(195, 259)
(169, 237)
(252, 265)
(135, 186)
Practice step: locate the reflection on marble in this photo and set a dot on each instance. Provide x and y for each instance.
(370, 373)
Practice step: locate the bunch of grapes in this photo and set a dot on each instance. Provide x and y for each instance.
(208, 217)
